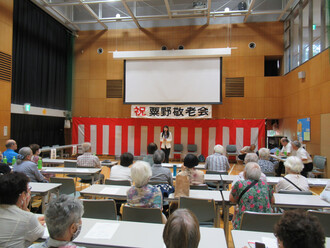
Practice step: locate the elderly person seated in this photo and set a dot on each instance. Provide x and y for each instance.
(152, 147)
(63, 219)
(123, 170)
(88, 160)
(159, 173)
(19, 227)
(25, 165)
(217, 161)
(293, 181)
(251, 194)
(301, 153)
(265, 164)
(250, 157)
(245, 150)
(141, 194)
(195, 176)
(297, 228)
(10, 153)
(181, 230)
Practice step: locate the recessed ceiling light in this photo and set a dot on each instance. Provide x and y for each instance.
(117, 15)
(227, 9)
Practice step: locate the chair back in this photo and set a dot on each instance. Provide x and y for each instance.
(70, 164)
(199, 187)
(192, 148)
(100, 209)
(68, 186)
(293, 192)
(231, 148)
(259, 222)
(269, 174)
(202, 208)
(324, 218)
(118, 182)
(178, 147)
(319, 162)
(149, 215)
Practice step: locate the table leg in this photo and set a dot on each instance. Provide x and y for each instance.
(218, 185)
(226, 220)
(43, 203)
(217, 215)
(93, 178)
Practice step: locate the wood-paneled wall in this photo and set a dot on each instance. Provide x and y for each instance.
(6, 40)
(262, 94)
(309, 97)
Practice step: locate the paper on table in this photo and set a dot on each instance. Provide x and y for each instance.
(270, 242)
(102, 231)
(110, 191)
(46, 233)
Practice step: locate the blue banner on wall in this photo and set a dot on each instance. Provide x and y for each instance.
(304, 129)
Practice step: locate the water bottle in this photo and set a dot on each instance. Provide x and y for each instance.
(277, 152)
(13, 161)
(39, 164)
(285, 153)
(174, 170)
(5, 160)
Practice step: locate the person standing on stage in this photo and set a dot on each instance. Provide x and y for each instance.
(166, 139)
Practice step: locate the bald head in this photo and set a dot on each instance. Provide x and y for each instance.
(11, 144)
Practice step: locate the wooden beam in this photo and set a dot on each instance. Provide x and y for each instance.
(131, 13)
(249, 10)
(89, 9)
(287, 6)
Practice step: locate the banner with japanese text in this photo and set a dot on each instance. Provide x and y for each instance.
(171, 111)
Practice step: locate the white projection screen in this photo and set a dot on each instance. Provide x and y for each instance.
(173, 81)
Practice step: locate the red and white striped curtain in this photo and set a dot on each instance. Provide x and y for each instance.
(114, 136)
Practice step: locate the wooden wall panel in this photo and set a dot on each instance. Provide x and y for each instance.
(6, 40)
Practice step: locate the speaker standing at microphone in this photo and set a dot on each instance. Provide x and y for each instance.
(166, 139)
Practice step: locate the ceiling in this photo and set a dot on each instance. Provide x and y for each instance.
(104, 14)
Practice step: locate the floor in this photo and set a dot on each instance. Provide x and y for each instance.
(235, 169)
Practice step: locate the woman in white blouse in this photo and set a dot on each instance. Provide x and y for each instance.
(293, 181)
(301, 153)
(166, 139)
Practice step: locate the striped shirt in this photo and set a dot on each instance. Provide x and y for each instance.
(217, 162)
(88, 160)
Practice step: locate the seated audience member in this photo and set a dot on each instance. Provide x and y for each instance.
(250, 157)
(245, 150)
(265, 164)
(217, 161)
(63, 219)
(297, 228)
(10, 152)
(122, 171)
(293, 181)
(159, 173)
(19, 227)
(325, 195)
(258, 197)
(141, 194)
(25, 165)
(181, 230)
(286, 147)
(195, 176)
(152, 147)
(301, 153)
(35, 151)
(89, 160)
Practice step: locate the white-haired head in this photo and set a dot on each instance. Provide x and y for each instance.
(264, 153)
(252, 171)
(86, 147)
(251, 157)
(140, 173)
(294, 164)
(219, 149)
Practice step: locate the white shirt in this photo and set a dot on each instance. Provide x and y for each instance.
(18, 228)
(119, 172)
(303, 154)
(287, 148)
(297, 179)
(168, 141)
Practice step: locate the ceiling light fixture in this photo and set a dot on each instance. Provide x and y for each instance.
(117, 15)
(227, 9)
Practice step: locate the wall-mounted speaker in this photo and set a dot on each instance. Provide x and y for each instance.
(252, 45)
(100, 50)
(164, 47)
(302, 74)
(181, 47)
